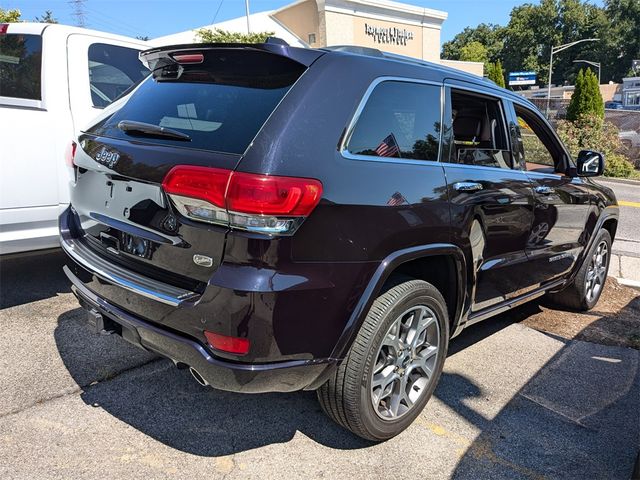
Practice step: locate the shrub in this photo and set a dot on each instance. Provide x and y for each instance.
(590, 132)
(586, 98)
(217, 35)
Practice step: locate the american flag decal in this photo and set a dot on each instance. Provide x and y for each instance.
(389, 147)
(396, 199)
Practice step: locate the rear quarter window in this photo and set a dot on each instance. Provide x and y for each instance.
(21, 66)
(399, 120)
(221, 104)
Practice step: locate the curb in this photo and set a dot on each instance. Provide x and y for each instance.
(625, 254)
(624, 181)
(628, 283)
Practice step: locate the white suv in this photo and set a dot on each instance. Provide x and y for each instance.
(53, 80)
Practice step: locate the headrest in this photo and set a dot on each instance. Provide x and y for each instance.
(467, 128)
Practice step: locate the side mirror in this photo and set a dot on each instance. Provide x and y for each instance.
(590, 163)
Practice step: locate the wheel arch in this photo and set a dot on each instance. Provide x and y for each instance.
(407, 262)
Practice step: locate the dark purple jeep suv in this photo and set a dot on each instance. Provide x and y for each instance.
(278, 219)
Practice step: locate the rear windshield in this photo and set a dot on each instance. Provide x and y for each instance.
(20, 66)
(221, 103)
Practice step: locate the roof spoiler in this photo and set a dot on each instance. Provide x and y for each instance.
(163, 56)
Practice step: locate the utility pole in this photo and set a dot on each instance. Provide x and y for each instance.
(79, 12)
(558, 49)
(246, 7)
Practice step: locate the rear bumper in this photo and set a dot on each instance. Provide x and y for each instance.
(219, 373)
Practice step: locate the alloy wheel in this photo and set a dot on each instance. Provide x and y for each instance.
(405, 362)
(597, 271)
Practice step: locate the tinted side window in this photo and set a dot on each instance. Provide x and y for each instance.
(479, 133)
(401, 120)
(112, 70)
(20, 66)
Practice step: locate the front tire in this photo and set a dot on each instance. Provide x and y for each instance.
(585, 290)
(393, 365)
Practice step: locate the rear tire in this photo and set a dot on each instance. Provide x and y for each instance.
(585, 290)
(393, 365)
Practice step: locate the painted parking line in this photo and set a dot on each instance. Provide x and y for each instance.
(624, 203)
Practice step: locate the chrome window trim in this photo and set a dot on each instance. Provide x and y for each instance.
(344, 151)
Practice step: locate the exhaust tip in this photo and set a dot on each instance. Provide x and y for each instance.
(198, 377)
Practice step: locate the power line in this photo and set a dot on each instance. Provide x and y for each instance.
(116, 22)
(216, 14)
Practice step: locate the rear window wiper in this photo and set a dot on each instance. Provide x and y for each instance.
(149, 130)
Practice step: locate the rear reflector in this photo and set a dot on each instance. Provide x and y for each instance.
(235, 345)
(259, 203)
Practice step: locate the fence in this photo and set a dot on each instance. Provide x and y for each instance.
(627, 121)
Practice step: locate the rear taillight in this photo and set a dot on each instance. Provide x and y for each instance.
(235, 345)
(70, 154)
(248, 201)
(3, 28)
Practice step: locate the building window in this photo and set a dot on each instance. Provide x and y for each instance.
(633, 99)
(312, 38)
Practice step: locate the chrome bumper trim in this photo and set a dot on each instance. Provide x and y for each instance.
(141, 285)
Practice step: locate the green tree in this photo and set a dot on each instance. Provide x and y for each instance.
(586, 98)
(217, 35)
(489, 35)
(9, 16)
(620, 39)
(474, 52)
(46, 18)
(495, 73)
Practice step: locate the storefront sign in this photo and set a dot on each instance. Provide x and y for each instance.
(398, 36)
(522, 78)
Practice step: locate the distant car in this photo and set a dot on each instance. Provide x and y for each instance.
(278, 219)
(53, 80)
(613, 105)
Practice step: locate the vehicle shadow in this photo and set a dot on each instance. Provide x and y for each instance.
(168, 405)
(31, 277)
(577, 417)
(561, 414)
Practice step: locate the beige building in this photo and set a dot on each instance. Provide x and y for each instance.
(390, 26)
(609, 92)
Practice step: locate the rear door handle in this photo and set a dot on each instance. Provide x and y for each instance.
(467, 186)
(544, 190)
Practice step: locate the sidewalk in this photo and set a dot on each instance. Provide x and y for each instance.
(625, 268)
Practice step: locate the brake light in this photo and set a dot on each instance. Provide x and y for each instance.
(267, 195)
(259, 203)
(3, 28)
(189, 58)
(235, 345)
(70, 154)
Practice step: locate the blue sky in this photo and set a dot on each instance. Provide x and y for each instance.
(163, 17)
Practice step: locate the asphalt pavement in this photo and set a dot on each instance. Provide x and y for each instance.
(513, 403)
(628, 236)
